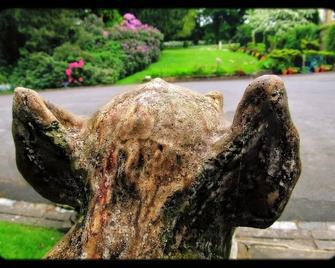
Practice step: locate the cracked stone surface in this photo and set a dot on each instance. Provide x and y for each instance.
(159, 172)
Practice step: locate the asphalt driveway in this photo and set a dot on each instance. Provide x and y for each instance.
(312, 105)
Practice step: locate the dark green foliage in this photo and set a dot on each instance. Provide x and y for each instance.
(44, 29)
(4, 75)
(45, 73)
(243, 34)
(110, 17)
(309, 44)
(259, 47)
(70, 52)
(326, 57)
(36, 46)
(329, 38)
(222, 23)
(104, 65)
(10, 38)
(293, 38)
(280, 59)
(94, 75)
(169, 21)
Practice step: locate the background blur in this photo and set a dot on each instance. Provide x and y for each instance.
(89, 55)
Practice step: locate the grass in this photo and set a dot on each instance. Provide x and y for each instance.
(197, 61)
(19, 241)
(6, 92)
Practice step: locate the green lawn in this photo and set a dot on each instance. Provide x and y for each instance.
(6, 92)
(197, 61)
(19, 241)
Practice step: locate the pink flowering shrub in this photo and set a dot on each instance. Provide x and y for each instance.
(74, 72)
(93, 55)
(141, 43)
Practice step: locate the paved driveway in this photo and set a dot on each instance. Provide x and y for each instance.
(312, 106)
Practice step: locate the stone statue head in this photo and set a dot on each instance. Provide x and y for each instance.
(158, 172)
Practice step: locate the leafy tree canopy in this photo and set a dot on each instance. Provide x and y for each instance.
(279, 20)
(174, 23)
(221, 22)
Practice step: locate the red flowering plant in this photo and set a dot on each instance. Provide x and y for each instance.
(74, 72)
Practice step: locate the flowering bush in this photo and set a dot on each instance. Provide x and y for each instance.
(74, 72)
(141, 43)
(94, 54)
(103, 65)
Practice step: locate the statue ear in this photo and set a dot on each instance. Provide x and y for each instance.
(260, 156)
(45, 137)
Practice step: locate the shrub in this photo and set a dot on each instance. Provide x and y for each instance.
(74, 72)
(39, 71)
(243, 34)
(280, 59)
(233, 46)
(257, 47)
(88, 40)
(4, 75)
(94, 75)
(309, 44)
(137, 56)
(141, 43)
(110, 56)
(329, 38)
(109, 53)
(107, 56)
(292, 38)
(173, 44)
(71, 52)
(325, 57)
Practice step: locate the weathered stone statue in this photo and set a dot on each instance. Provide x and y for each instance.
(158, 172)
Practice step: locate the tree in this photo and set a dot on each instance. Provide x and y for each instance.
(10, 38)
(174, 23)
(109, 16)
(221, 23)
(188, 23)
(31, 30)
(277, 21)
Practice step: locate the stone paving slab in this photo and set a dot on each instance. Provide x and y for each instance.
(61, 225)
(45, 215)
(285, 240)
